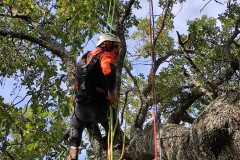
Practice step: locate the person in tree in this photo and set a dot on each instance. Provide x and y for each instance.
(95, 89)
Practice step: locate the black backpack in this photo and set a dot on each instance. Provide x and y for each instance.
(83, 92)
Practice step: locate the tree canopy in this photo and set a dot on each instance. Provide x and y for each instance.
(40, 42)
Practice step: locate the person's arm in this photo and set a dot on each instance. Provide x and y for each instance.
(109, 71)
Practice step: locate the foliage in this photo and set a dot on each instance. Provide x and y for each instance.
(205, 44)
(42, 102)
(39, 118)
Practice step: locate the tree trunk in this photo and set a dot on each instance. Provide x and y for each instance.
(214, 135)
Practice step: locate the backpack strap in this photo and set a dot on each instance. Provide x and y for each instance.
(92, 60)
(86, 64)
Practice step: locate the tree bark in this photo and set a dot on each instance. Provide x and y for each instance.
(214, 135)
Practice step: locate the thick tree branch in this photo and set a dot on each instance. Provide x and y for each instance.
(213, 135)
(26, 18)
(21, 16)
(141, 116)
(158, 62)
(185, 103)
(124, 105)
(143, 98)
(235, 33)
(39, 41)
(127, 11)
(188, 100)
(186, 55)
(236, 44)
(227, 51)
(48, 43)
(197, 85)
(14, 14)
(7, 153)
(132, 77)
(187, 118)
(210, 86)
(166, 12)
(226, 46)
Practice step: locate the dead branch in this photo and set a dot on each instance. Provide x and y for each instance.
(125, 105)
(208, 3)
(186, 55)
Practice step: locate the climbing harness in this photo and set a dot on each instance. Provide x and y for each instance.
(82, 88)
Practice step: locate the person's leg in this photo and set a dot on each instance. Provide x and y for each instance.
(76, 129)
(106, 128)
(75, 134)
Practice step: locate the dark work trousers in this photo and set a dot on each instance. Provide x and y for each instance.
(96, 111)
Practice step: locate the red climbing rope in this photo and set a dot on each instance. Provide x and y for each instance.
(151, 33)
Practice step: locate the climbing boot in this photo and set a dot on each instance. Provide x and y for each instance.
(73, 154)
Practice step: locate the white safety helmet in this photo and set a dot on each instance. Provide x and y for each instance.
(107, 37)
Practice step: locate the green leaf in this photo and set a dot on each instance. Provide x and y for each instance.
(43, 115)
(29, 126)
(27, 10)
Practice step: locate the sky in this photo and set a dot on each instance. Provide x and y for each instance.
(188, 11)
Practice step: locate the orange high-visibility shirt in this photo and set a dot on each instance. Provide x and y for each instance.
(105, 60)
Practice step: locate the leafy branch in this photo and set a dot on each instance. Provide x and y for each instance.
(7, 153)
(166, 12)
(186, 55)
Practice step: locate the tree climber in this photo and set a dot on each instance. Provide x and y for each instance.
(95, 90)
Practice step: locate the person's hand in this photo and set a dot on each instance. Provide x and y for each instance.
(112, 96)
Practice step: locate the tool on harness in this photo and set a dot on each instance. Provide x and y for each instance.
(84, 88)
